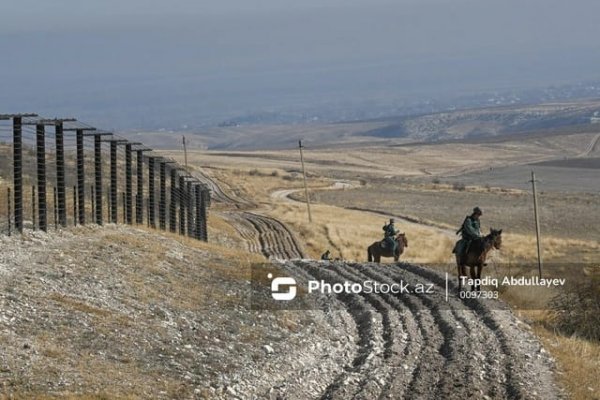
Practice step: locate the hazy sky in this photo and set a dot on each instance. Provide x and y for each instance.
(189, 59)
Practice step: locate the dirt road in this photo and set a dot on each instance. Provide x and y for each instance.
(265, 235)
(422, 346)
(286, 196)
(262, 234)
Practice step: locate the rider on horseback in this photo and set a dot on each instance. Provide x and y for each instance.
(390, 233)
(470, 230)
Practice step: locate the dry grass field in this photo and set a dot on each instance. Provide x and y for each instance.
(410, 160)
(569, 222)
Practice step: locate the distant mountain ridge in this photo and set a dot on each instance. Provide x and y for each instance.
(490, 121)
(477, 123)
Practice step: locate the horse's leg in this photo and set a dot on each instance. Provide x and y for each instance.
(461, 273)
(473, 276)
(369, 254)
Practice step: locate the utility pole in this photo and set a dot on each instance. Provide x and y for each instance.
(537, 223)
(305, 185)
(185, 152)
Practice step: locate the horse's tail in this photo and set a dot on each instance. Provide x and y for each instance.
(369, 254)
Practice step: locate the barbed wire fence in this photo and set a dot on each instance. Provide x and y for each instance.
(56, 173)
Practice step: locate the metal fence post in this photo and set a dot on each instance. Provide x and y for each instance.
(151, 193)
(163, 196)
(80, 176)
(41, 176)
(173, 202)
(92, 199)
(139, 198)
(18, 172)
(98, 177)
(55, 209)
(113, 181)
(198, 230)
(33, 209)
(108, 205)
(203, 214)
(190, 209)
(182, 203)
(124, 207)
(17, 120)
(60, 174)
(75, 205)
(8, 200)
(128, 185)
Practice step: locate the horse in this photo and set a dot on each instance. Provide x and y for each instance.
(375, 251)
(476, 255)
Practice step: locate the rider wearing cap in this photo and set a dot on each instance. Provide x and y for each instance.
(390, 233)
(470, 230)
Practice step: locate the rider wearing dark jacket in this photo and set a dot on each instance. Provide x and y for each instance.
(470, 230)
(390, 233)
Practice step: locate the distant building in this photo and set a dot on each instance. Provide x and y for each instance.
(595, 119)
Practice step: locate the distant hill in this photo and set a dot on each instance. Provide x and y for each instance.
(477, 123)
(491, 121)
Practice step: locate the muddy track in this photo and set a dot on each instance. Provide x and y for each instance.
(219, 195)
(422, 346)
(265, 235)
(262, 234)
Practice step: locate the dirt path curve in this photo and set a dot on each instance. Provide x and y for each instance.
(422, 346)
(262, 234)
(286, 196)
(265, 235)
(592, 147)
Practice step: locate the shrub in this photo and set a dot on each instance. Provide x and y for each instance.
(577, 310)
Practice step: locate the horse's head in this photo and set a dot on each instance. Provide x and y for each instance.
(495, 238)
(401, 238)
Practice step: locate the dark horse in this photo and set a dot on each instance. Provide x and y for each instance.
(375, 251)
(476, 255)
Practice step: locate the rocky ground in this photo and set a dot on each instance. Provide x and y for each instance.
(123, 312)
(118, 311)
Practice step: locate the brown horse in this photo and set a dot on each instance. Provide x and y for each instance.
(476, 256)
(375, 251)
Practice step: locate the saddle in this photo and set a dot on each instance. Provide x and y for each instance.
(388, 240)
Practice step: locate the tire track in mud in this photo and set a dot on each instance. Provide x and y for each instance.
(420, 346)
(275, 238)
(219, 195)
(262, 234)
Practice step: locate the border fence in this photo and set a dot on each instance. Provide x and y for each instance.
(56, 173)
